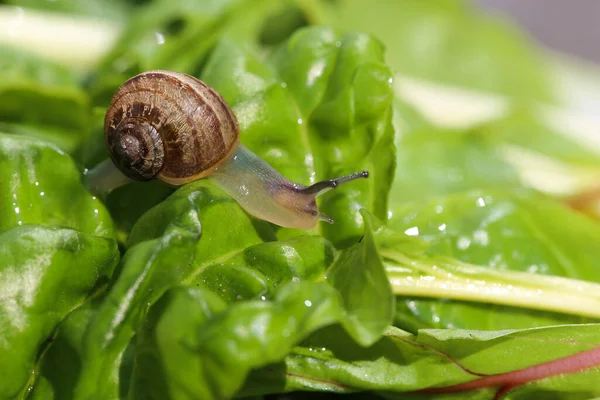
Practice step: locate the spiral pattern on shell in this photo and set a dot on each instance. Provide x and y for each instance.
(170, 126)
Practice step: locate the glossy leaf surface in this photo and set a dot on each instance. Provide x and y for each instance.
(42, 186)
(400, 362)
(450, 42)
(43, 100)
(519, 231)
(318, 109)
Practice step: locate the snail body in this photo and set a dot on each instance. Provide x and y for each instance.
(173, 127)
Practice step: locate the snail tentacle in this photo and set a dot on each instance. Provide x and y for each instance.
(325, 186)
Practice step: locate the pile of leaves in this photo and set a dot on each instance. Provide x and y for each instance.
(445, 275)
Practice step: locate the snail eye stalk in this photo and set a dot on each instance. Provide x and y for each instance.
(325, 186)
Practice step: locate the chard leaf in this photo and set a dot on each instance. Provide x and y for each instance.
(330, 360)
(43, 188)
(147, 270)
(553, 157)
(56, 248)
(319, 108)
(62, 361)
(41, 99)
(360, 277)
(42, 280)
(561, 361)
(198, 236)
(178, 35)
(183, 241)
(434, 162)
(527, 128)
(543, 147)
(113, 9)
(218, 346)
(503, 231)
(128, 203)
(519, 230)
(449, 42)
(256, 271)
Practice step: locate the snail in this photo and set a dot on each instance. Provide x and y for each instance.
(173, 127)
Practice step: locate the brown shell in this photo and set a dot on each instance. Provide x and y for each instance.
(198, 129)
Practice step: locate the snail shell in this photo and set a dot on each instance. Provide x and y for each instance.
(170, 126)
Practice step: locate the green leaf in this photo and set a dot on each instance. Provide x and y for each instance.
(147, 270)
(195, 348)
(113, 9)
(256, 271)
(180, 311)
(198, 236)
(547, 149)
(128, 203)
(65, 139)
(319, 108)
(178, 35)
(524, 349)
(434, 162)
(41, 99)
(400, 364)
(449, 42)
(503, 231)
(93, 151)
(62, 362)
(45, 273)
(331, 361)
(217, 345)
(42, 187)
(519, 230)
(360, 277)
(56, 247)
(527, 128)
(169, 247)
